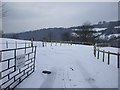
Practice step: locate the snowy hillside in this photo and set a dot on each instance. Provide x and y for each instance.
(111, 33)
(72, 66)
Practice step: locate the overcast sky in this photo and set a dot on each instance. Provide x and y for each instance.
(25, 16)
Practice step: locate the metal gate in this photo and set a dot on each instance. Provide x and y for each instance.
(12, 75)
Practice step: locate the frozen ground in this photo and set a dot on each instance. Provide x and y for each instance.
(72, 66)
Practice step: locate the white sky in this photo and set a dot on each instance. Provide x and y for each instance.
(25, 16)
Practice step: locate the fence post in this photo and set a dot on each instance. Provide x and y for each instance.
(42, 44)
(108, 57)
(25, 47)
(15, 59)
(6, 44)
(34, 58)
(103, 55)
(71, 43)
(98, 54)
(31, 43)
(55, 43)
(118, 58)
(51, 43)
(94, 51)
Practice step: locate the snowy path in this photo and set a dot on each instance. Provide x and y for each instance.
(72, 67)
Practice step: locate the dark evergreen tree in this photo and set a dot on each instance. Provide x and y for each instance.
(66, 36)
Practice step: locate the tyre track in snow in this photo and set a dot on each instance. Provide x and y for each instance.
(69, 79)
(68, 84)
(88, 78)
(60, 79)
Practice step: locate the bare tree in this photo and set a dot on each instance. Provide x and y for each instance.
(86, 33)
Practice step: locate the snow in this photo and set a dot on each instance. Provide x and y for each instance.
(75, 29)
(117, 27)
(99, 29)
(103, 36)
(111, 49)
(74, 34)
(88, 72)
(116, 35)
(96, 34)
(12, 43)
(72, 66)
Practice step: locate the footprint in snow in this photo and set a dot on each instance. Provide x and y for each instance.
(74, 85)
(91, 80)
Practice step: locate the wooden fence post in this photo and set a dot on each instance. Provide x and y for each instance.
(108, 57)
(31, 43)
(51, 43)
(6, 44)
(34, 58)
(55, 43)
(15, 60)
(94, 51)
(43, 43)
(25, 47)
(118, 58)
(98, 54)
(70, 42)
(103, 55)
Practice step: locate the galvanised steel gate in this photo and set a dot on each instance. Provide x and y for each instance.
(10, 76)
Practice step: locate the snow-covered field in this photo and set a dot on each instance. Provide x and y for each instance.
(12, 43)
(72, 66)
(115, 50)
